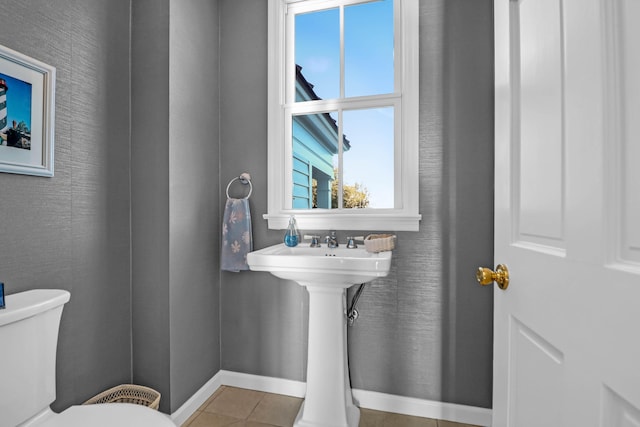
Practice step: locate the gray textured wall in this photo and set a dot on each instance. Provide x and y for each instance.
(195, 187)
(175, 225)
(72, 231)
(263, 318)
(425, 330)
(150, 234)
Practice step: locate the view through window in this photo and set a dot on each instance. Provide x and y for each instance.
(344, 109)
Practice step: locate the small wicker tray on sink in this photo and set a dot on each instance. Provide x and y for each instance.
(379, 242)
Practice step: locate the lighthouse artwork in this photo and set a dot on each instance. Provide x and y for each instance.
(15, 113)
(27, 110)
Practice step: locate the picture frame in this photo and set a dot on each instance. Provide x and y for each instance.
(27, 106)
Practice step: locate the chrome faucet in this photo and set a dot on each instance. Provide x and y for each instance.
(331, 240)
(315, 241)
(351, 243)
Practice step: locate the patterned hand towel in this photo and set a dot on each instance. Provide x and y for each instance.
(237, 239)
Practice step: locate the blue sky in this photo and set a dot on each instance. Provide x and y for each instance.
(368, 71)
(18, 100)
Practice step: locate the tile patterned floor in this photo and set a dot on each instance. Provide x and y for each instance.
(231, 406)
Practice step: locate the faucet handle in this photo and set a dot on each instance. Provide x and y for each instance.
(351, 241)
(331, 240)
(315, 241)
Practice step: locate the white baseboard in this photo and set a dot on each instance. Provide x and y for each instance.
(364, 399)
(189, 407)
(422, 407)
(266, 384)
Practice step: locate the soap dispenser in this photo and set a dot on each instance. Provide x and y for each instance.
(292, 235)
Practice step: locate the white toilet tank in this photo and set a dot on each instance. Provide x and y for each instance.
(28, 340)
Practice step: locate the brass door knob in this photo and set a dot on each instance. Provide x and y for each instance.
(486, 276)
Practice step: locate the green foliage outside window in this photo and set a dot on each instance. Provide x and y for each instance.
(354, 196)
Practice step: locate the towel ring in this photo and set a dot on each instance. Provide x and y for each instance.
(244, 179)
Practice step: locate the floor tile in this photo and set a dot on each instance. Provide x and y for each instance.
(247, 423)
(208, 419)
(442, 423)
(398, 420)
(276, 409)
(235, 402)
(213, 396)
(371, 418)
(236, 407)
(190, 419)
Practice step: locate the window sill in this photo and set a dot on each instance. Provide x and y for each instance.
(332, 220)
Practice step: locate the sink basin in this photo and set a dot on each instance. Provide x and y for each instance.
(339, 267)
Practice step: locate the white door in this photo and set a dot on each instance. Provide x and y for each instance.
(567, 213)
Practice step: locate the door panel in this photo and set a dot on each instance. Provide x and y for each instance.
(567, 213)
(623, 102)
(533, 362)
(537, 99)
(618, 412)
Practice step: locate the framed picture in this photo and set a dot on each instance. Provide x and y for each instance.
(27, 97)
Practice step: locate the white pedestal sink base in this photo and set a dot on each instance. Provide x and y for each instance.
(328, 401)
(353, 419)
(326, 273)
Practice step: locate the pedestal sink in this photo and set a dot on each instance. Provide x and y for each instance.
(326, 273)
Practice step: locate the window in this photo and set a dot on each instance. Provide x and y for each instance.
(343, 114)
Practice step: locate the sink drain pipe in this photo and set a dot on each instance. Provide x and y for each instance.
(352, 313)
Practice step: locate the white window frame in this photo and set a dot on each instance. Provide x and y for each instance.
(405, 216)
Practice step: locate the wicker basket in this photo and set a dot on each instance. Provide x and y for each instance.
(128, 393)
(379, 242)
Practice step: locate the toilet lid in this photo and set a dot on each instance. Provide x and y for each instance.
(109, 415)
